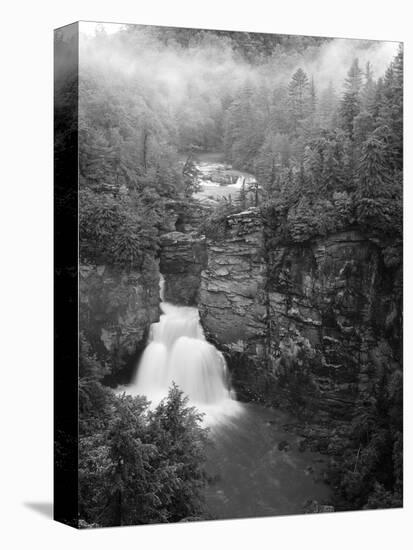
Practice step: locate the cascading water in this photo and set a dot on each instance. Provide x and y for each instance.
(178, 352)
(242, 181)
(250, 475)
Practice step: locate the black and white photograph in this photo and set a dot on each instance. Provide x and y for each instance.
(240, 230)
(205, 225)
(240, 274)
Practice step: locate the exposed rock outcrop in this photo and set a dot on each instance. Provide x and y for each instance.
(182, 258)
(185, 216)
(312, 326)
(116, 311)
(233, 297)
(335, 313)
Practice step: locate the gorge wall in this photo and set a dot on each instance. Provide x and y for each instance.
(118, 305)
(182, 258)
(311, 326)
(117, 308)
(233, 300)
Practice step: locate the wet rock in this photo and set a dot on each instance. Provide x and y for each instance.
(116, 310)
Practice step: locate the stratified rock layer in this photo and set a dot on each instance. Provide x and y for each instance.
(233, 296)
(182, 258)
(185, 215)
(312, 326)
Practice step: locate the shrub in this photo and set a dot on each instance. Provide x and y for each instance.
(214, 226)
(115, 230)
(139, 466)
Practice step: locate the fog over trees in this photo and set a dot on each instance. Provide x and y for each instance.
(318, 121)
(310, 115)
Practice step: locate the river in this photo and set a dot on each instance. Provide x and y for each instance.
(217, 179)
(255, 466)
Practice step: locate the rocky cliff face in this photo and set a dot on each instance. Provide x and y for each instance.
(333, 305)
(312, 326)
(185, 215)
(233, 297)
(182, 258)
(116, 311)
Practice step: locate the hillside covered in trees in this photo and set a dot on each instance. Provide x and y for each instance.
(319, 123)
(150, 97)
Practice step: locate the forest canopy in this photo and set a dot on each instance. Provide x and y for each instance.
(318, 122)
(312, 118)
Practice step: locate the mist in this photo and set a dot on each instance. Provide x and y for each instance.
(210, 65)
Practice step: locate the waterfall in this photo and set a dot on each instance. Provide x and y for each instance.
(177, 351)
(243, 181)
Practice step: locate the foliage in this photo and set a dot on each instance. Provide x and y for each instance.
(369, 472)
(115, 230)
(342, 171)
(350, 103)
(215, 225)
(244, 126)
(299, 98)
(325, 161)
(191, 176)
(299, 136)
(136, 465)
(342, 177)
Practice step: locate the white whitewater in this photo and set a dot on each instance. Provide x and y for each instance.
(177, 351)
(243, 181)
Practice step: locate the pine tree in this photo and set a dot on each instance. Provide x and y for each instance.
(329, 175)
(298, 99)
(190, 175)
(387, 112)
(351, 101)
(368, 90)
(373, 172)
(363, 124)
(273, 155)
(391, 111)
(243, 128)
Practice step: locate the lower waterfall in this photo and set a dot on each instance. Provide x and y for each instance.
(177, 351)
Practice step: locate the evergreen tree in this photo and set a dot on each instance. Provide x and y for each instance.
(273, 155)
(351, 101)
(244, 128)
(139, 467)
(373, 173)
(298, 99)
(368, 90)
(190, 175)
(363, 124)
(389, 108)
